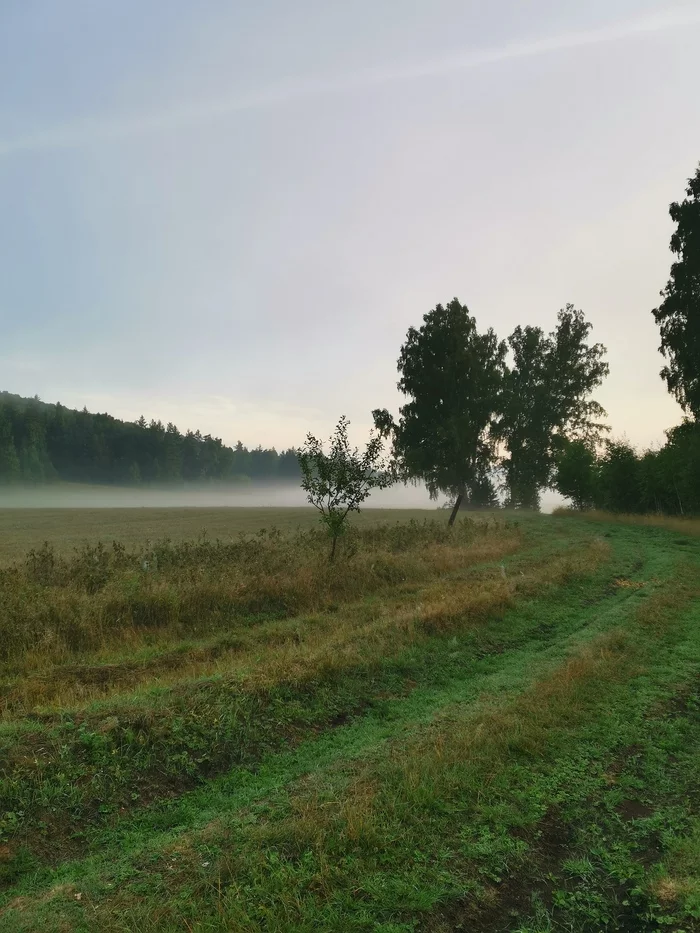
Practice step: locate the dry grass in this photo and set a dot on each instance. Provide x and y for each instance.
(294, 650)
(671, 890)
(94, 626)
(60, 607)
(322, 654)
(278, 677)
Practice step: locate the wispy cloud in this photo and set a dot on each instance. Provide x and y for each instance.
(104, 130)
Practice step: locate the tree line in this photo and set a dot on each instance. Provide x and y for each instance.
(620, 479)
(668, 479)
(41, 442)
(484, 416)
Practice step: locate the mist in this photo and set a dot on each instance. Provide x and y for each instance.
(249, 495)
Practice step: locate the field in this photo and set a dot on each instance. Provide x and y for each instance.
(493, 728)
(67, 528)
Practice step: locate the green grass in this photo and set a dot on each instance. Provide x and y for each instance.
(501, 732)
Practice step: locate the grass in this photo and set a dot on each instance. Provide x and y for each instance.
(687, 526)
(495, 728)
(56, 608)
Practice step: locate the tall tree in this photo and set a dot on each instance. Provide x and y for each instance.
(679, 462)
(525, 425)
(452, 376)
(678, 315)
(546, 401)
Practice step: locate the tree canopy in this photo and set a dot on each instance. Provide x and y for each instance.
(545, 401)
(575, 473)
(451, 375)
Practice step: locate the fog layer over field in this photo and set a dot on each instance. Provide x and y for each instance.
(253, 495)
(69, 495)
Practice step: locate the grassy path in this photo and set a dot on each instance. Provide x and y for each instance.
(533, 771)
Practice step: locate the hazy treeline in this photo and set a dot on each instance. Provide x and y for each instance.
(41, 442)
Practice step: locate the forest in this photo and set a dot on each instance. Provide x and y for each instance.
(41, 442)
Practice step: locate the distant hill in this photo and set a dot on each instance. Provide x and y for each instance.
(42, 442)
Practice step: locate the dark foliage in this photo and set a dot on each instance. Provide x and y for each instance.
(41, 442)
(545, 401)
(451, 376)
(678, 316)
(666, 480)
(618, 484)
(575, 473)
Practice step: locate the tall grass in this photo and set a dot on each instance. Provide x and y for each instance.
(277, 672)
(283, 675)
(54, 608)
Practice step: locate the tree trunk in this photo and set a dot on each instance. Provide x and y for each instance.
(331, 557)
(453, 516)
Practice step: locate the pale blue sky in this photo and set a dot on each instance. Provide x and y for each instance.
(227, 215)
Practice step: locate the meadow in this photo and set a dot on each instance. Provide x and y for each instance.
(206, 726)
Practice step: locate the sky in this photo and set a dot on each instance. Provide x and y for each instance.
(227, 215)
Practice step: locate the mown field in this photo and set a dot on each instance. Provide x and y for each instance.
(494, 728)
